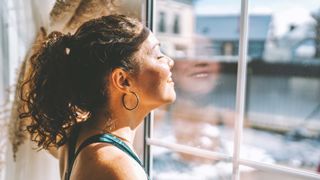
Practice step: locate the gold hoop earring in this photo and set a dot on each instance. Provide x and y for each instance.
(124, 104)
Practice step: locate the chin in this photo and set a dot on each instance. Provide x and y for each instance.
(167, 100)
(171, 99)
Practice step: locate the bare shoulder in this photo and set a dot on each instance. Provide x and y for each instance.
(103, 161)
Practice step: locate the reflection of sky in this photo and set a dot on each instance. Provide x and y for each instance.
(284, 12)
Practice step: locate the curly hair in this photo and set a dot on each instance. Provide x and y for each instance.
(68, 78)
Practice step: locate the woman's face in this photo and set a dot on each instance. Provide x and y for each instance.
(153, 81)
(196, 77)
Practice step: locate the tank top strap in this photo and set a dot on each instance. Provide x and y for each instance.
(71, 149)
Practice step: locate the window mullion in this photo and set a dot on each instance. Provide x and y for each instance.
(274, 168)
(147, 153)
(148, 121)
(194, 151)
(241, 84)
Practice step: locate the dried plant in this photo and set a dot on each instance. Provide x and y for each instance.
(68, 15)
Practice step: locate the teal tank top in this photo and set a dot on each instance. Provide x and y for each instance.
(102, 138)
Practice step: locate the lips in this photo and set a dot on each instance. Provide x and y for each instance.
(202, 74)
(170, 80)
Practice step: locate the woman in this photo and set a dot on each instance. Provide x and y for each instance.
(91, 90)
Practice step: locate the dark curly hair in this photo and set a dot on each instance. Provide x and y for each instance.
(68, 75)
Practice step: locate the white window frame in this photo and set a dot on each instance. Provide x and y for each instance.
(236, 160)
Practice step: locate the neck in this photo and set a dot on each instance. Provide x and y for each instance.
(121, 123)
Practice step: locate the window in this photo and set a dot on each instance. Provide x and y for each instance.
(256, 49)
(234, 117)
(162, 22)
(176, 25)
(227, 48)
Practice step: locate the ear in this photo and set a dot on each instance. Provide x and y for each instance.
(120, 79)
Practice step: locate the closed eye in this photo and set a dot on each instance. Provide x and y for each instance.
(160, 57)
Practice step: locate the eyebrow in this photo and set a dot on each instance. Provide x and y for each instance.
(149, 51)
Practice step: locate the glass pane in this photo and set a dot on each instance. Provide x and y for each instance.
(283, 87)
(170, 165)
(248, 173)
(205, 49)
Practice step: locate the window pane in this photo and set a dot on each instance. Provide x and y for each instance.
(170, 165)
(283, 87)
(205, 49)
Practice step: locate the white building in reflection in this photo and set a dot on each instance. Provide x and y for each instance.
(174, 27)
(296, 45)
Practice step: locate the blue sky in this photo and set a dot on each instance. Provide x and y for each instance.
(284, 12)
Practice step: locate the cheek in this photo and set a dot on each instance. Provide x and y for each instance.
(155, 77)
(153, 81)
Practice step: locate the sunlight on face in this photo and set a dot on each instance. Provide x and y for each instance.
(154, 79)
